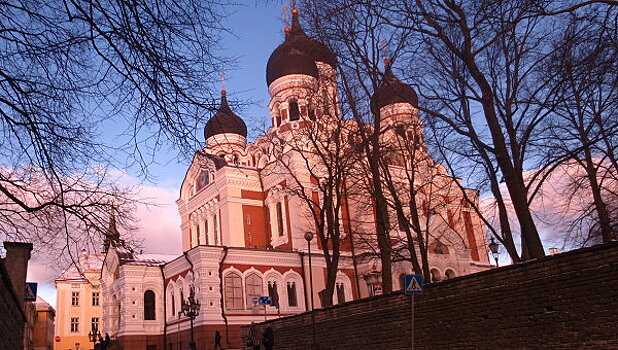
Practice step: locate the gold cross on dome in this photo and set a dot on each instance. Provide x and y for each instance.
(222, 76)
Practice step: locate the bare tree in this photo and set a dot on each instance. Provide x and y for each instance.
(584, 130)
(71, 70)
(316, 161)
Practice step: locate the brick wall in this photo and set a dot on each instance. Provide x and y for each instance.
(11, 317)
(567, 301)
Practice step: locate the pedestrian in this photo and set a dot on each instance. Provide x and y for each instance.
(217, 340)
(268, 339)
(254, 337)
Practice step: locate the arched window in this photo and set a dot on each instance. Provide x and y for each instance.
(149, 305)
(325, 102)
(340, 293)
(310, 110)
(450, 274)
(292, 295)
(253, 288)
(294, 111)
(233, 291)
(173, 304)
(236, 159)
(280, 219)
(438, 248)
(273, 293)
(435, 275)
(202, 181)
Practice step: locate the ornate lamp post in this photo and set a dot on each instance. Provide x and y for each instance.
(493, 247)
(191, 309)
(94, 335)
(374, 281)
(308, 238)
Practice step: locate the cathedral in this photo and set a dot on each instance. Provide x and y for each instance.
(244, 231)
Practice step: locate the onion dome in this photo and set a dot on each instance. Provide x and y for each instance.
(391, 90)
(297, 54)
(225, 121)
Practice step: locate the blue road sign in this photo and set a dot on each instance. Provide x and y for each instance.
(30, 292)
(265, 300)
(414, 284)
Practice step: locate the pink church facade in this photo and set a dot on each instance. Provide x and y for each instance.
(243, 231)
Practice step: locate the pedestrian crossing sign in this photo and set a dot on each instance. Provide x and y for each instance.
(413, 284)
(30, 292)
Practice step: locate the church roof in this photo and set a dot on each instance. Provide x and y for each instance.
(298, 54)
(391, 90)
(225, 121)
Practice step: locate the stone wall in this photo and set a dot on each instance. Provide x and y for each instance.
(11, 316)
(567, 301)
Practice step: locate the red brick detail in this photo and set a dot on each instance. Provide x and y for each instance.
(263, 268)
(255, 226)
(175, 277)
(245, 194)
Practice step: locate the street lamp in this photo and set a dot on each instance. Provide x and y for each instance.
(308, 238)
(94, 335)
(374, 281)
(191, 309)
(493, 247)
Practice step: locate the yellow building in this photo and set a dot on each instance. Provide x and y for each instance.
(79, 302)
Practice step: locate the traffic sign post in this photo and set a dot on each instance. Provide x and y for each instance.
(413, 285)
(30, 292)
(265, 300)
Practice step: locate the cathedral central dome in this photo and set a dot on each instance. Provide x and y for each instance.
(298, 54)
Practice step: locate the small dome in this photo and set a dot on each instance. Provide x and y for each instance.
(391, 90)
(298, 54)
(225, 121)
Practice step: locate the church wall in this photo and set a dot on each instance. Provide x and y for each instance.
(254, 219)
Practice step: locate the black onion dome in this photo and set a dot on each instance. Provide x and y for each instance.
(225, 121)
(391, 90)
(314, 49)
(297, 54)
(288, 59)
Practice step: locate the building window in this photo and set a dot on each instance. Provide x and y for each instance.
(215, 230)
(294, 111)
(273, 293)
(202, 181)
(149, 305)
(325, 102)
(95, 298)
(74, 324)
(94, 324)
(198, 234)
(74, 298)
(233, 292)
(253, 288)
(435, 275)
(292, 297)
(450, 274)
(206, 231)
(280, 219)
(173, 304)
(340, 293)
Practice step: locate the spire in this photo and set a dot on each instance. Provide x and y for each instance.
(112, 236)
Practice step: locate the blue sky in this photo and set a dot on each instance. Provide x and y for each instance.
(257, 29)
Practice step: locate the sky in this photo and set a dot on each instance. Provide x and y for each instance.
(257, 30)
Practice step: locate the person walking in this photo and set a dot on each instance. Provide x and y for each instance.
(269, 338)
(254, 337)
(217, 340)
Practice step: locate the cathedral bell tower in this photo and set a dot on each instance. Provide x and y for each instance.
(225, 132)
(301, 79)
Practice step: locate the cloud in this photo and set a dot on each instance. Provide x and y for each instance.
(561, 200)
(158, 225)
